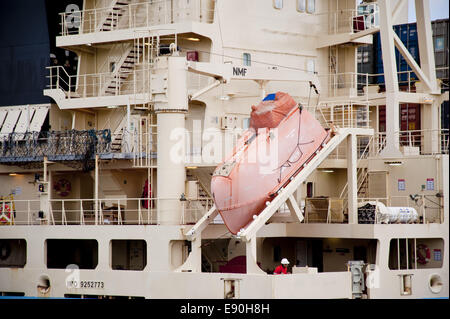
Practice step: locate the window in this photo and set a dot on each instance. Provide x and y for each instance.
(278, 4)
(309, 189)
(366, 57)
(13, 253)
(128, 254)
(247, 59)
(63, 252)
(311, 6)
(439, 44)
(301, 5)
(415, 253)
(15, 294)
(246, 123)
(310, 66)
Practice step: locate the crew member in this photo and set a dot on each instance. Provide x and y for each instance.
(282, 269)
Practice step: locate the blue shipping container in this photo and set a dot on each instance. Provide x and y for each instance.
(408, 35)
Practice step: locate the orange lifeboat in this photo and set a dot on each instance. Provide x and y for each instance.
(282, 138)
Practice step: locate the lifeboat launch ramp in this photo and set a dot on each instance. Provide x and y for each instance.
(284, 195)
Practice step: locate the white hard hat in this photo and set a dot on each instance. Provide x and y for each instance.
(284, 261)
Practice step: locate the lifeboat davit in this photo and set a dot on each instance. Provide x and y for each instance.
(282, 138)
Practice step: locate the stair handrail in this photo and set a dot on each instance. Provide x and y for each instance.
(58, 77)
(364, 155)
(205, 189)
(109, 11)
(113, 48)
(115, 75)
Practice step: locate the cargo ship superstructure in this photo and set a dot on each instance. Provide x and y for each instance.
(115, 200)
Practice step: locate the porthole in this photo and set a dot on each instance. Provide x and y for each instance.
(435, 284)
(43, 284)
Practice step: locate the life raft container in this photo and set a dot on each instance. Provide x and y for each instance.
(288, 136)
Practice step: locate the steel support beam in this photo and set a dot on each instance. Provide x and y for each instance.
(412, 63)
(352, 180)
(294, 209)
(203, 222)
(392, 148)
(425, 37)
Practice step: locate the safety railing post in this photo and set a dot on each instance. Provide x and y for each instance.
(409, 81)
(63, 25)
(146, 16)
(101, 221)
(57, 77)
(139, 213)
(423, 209)
(119, 213)
(63, 213)
(81, 213)
(376, 215)
(367, 88)
(28, 213)
(84, 85)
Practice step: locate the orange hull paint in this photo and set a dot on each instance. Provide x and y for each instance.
(244, 182)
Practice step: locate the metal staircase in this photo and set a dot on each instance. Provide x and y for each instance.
(117, 138)
(111, 20)
(204, 197)
(364, 186)
(362, 175)
(125, 67)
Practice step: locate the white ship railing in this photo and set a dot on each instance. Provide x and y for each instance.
(131, 211)
(111, 211)
(348, 20)
(415, 141)
(349, 84)
(137, 81)
(342, 114)
(361, 85)
(135, 15)
(406, 79)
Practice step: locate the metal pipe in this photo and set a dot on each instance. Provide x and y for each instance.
(96, 189)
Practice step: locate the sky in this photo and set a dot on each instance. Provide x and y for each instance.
(438, 10)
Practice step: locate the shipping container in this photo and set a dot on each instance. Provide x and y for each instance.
(365, 59)
(440, 41)
(408, 35)
(445, 119)
(409, 113)
(409, 117)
